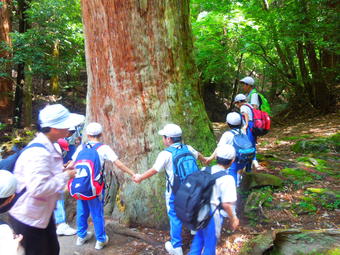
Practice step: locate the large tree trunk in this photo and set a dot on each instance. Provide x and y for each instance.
(141, 75)
(6, 83)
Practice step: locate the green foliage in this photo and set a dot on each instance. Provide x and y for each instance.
(327, 144)
(297, 175)
(2, 126)
(51, 22)
(266, 39)
(304, 207)
(292, 138)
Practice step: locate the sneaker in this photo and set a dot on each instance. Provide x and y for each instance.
(101, 245)
(81, 241)
(64, 229)
(171, 250)
(255, 165)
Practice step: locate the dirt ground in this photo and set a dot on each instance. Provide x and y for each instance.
(230, 243)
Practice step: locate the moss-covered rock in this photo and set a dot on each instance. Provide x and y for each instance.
(258, 245)
(255, 202)
(295, 174)
(256, 180)
(294, 242)
(327, 144)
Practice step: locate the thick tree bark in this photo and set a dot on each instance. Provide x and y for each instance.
(141, 75)
(6, 84)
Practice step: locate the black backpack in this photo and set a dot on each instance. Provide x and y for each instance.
(192, 200)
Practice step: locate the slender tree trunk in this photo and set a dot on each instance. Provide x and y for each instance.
(28, 97)
(141, 75)
(55, 77)
(19, 90)
(304, 72)
(6, 84)
(320, 87)
(321, 91)
(237, 77)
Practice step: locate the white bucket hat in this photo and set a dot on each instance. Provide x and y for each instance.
(57, 116)
(234, 118)
(226, 151)
(248, 80)
(8, 184)
(94, 128)
(171, 130)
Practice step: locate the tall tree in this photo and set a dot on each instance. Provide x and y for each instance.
(5, 69)
(19, 88)
(141, 75)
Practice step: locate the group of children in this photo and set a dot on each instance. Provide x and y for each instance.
(38, 170)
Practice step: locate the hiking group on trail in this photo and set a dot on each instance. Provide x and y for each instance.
(198, 199)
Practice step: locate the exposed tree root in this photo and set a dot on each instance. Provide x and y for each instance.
(113, 228)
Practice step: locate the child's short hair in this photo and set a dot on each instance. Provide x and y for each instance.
(176, 139)
(234, 126)
(223, 161)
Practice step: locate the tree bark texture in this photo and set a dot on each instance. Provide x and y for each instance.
(6, 84)
(141, 75)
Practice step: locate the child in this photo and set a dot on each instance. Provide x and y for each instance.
(9, 243)
(172, 137)
(234, 122)
(224, 193)
(246, 110)
(95, 206)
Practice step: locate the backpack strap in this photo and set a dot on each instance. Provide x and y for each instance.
(213, 178)
(254, 90)
(172, 150)
(235, 131)
(251, 108)
(96, 146)
(35, 145)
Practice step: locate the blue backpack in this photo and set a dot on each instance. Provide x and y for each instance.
(89, 180)
(183, 163)
(245, 151)
(9, 162)
(192, 201)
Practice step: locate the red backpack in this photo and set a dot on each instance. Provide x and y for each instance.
(261, 121)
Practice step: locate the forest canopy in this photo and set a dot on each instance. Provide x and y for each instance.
(291, 48)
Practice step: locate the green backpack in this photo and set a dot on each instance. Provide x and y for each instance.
(264, 105)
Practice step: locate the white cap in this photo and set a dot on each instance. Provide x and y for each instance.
(171, 130)
(94, 128)
(226, 151)
(8, 184)
(234, 118)
(240, 97)
(248, 80)
(57, 116)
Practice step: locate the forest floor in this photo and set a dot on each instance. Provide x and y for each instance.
(275, 154)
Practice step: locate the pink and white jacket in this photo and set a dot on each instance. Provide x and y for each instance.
(40, 170)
